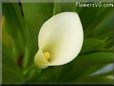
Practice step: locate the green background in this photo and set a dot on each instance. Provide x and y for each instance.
(19, 44)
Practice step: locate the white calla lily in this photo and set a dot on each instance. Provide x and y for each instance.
(60, 40)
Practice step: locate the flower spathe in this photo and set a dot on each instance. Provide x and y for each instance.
(60, 40)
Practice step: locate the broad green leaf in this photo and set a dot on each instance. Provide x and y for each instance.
(93, 71)
(90, 21)
(95, 58)
(11, 73)
(63, 7)
(85, 62)
(12, 28)
(35, 14)
(106, 79)
(12, 23)
(104, 27)
(90, 45)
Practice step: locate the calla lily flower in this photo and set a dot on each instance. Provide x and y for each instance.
(60, 40)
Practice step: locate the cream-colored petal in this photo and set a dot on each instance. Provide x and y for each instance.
(62, 37)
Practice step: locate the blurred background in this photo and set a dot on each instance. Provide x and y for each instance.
(21, 23)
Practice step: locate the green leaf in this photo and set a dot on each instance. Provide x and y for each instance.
(104, 27)
(90, 45)
(11, 73)
(35, 14)
(85, 62)
(107, 79)
(95, 58)
(31, 74)
(12, 31)
(63, 7)
(101, 20)
(93, 71)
